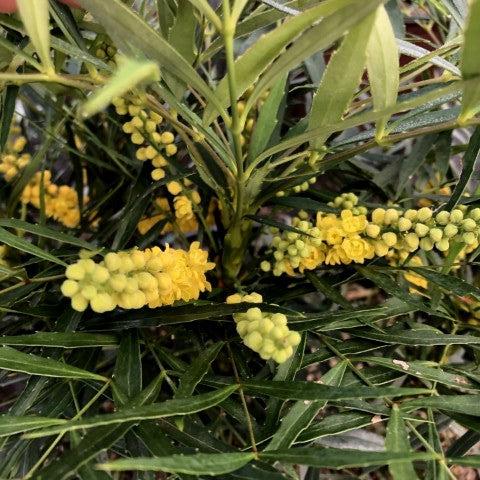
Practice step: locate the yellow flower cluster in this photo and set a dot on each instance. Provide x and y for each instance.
(61, 201)
(136, 278)
(351, 237)
(265, 333)
(144, 131)
(185, 198)
(13, 160)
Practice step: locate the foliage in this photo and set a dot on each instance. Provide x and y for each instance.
(239, 239)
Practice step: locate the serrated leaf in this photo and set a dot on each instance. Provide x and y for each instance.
(199, 464)
(15, 361)
(36, 19)
(169, 408)
(337, 88)
(397, 441)
(59, 339)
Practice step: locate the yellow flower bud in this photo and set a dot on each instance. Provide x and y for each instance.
(75, 272)
(381, 248)
(167, 138)
(469, 238)
(456, 216)
(100, 274)
(112, 261)
(137, 138)
(426, 244)
(410, 214)
(79, 302)
(389, 238)
(174, 187)
(253, 314)
(443, 245)
(391, 216)
(254, 341)
(69, 288)
(412, 240)
(442, 217)
(102, 303)
(235, 298)
(378, 215)
(475, 214)
(424, 214)
(450, 230)
(404, 224)
(469, 224)
(436, 234)
(421, 230)
(118, 282)
(265, 266)
(170, 149)
(158, 174)
(372, 230)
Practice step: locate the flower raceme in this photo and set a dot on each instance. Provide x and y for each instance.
(263, 332)
(354, 237)
(137, 278)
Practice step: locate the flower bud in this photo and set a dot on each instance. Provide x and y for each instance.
(443, 245)
(404, 224)
(410, 214)
(426, 244)
(391, 216)
(475, 214)
(456, 216)
(265, 266)
(389, 238)
(412, 240)
(450, 230)
(424, 214)
(372, 230)
(442, 217)
(436, 234)
(378, 216)
(469, 238)
(421, 230)
(469, 224)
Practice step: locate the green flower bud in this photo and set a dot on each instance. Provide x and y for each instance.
(424, 214)
(299, 244)
(443, 217)
(265, 266)
(443, 245)
(456, 216)
(292, 236)
(404, 224)
(469, 224)
(303, 214)
(450, 230)
(436, 234)
(278, 255)
(292, 251)
(426, 244)
(348, 205)
(421, 230)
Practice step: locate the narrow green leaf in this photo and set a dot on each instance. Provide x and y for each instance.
(341, 458)
(383, 66)
(62, 340)
(25, 246)
(199, 464)
(129, 74)
(267, 120)
(337, 88)
(183, 406)
(470, 63)
(132, 33)
(467, 404)
(302, 413)
(15, 361)
(128, 367)
(419, 337)
(36, 19)
(9, 424)
(8, 109)
(182, 33)
(466, 461)
(194, 375)
(45, 232)
(468, 164)
(314, 391)
(259, 56)
(397, 441)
